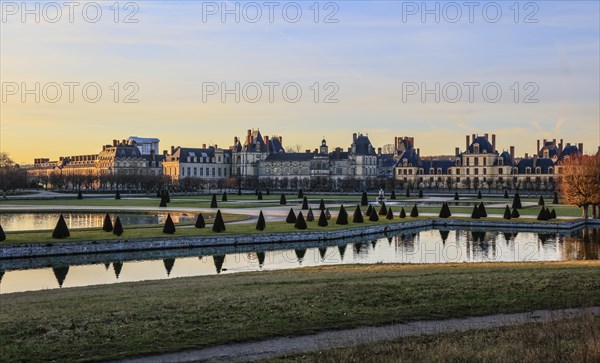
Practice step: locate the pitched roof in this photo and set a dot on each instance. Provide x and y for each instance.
(484, 146)
(290, 157)
(363, 146)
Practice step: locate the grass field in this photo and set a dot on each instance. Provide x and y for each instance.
(567, 341)
(112, 321)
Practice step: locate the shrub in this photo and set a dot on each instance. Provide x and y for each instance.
(364, 200)
(61, 230)
(507, 213)
(479, 196)
(390, 214)
(402, 213)
(261, 224)
(482, 211)
(300, 194)
(517, 202)
(541, 202)
(163, 202)
(79, 195)
(118, 230)
(169, 227)
(2, 234)
(373, 217)
(420, 193)
(515, 213)
(322, 205)
(475, 212)
(213, 202)
(219, 224)
(393, 195)
(239, 191)
(506, 194)
(310, 216)
(327, 214)
(553, 214)
(407, 192)
(414, 212)
(224, 197)
(167, 196)
(542, 216)
(357, 217)
(260, 196)
(323, 220)
(300, 222)
(555, 198)
(200, 221)
(107, 226)
(291, 218)
(282, 200)
(304, 203)
(118, 195)
(342, 217)
(368, 212)
(382, 209)
(445, 211)
(456, 196)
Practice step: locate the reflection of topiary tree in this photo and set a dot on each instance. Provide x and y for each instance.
(200, 223)
(219, 260)
(323, 220)
(261, 259)
(61, 274)
(61, 230)
(291, 217)
(169, 227)
(357, 217)
(117, 267)
(300, 222)
(118, 230)
(107, 226)
(218, 224)
(261, 224)
(342, 217)
(169, 263)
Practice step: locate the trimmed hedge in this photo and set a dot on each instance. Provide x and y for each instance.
(261, 224)
(323, 220)
(200, 223)
(213, 202)
(107, 226)
(291, 217)
(402, 213)
(507, 214)
(414, 212)
(310, 216)
(219, 224)
(342, 217)
(118, 230)
(357, 217)
(445, 211)
(169, 227)
(300, 222)
(61, 230)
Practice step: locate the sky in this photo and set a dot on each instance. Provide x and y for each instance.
(374, 67)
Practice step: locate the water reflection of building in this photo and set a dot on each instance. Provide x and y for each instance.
(582, 245)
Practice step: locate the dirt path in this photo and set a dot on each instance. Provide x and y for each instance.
(343, 338)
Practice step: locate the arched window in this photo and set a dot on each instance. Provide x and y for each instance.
(538, 170)
(439, 171)
(476, 148)
(431, 171)
(500, 161)
(421, 171)
(550, 170)
(527, 170)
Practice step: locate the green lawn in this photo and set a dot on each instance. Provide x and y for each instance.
(119, 320)
(566, 341)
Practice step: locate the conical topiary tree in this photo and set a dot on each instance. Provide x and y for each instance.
(268, 191)
(382, 209)
(555, 198)
(456, 196)
(310, 216)
(158, 193)
(402, 213)
(393, 195)
(323, 220)
(552, 214)
(507, 214)
(517, 202)
(327, 214)
(445, 211)
(304, 203)
(374, 217)
(515, 213)
(260, 196)
(219, 224)
(118, 195)
(475, 212)
(390, 214)
(61, 230)
(261, 224)
(291, 218)
(282, 200)
(542, 216)
(118, 230)
(407, 192)
(357, 217)
(79, 195)
(163, 202)
(107, 226)
(482, 211)
(169, 227)
(479, 196)
(200, 223)
(414, 213)
(239, 191)
(506, 194)
(322, 205)
(167, 196)
(541, 202)
(342, 217)
(2, 234)
(420, 193)
(300, 222)
(300, 194)
(364, 200)
(213, 202)
(224, 197)
(368, 212)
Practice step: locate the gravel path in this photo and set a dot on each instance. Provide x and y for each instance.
(344, 338)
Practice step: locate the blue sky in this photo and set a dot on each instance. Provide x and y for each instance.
(370, 52)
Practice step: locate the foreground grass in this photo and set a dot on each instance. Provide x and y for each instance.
(558, 341)
(141, 231)
(112, 321)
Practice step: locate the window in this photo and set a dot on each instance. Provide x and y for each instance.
(457, 171)
(538, 170)
(500, 171)
(476, 171)
(550, 170)
(484, 161)
(439, 171)
(182, 171)
(527, 170)
(195, 172)
(476, 161)
(476, 148)
(201, 171)
(219, 170)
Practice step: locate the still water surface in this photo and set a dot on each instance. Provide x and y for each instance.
(418, 246)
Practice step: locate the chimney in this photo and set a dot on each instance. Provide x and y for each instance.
(560, 146)
(512, 152)
(568, 144)
(396, 143)
(308, 151)
(468, 142)
(216, 146)
(486, 136)
(526, 155)
(419, 152)
(172, 149)
(473, 137)
(124, 142)
(103, 147)
(235, 140)
(165, 153)
(281, 140)
(456, 151)
(249, 136)
(354, 136)
(115, 142)
(316, 151)
(494, 141)
(554, 142)
(580, 147)
(379, 151)
(266, 139)
(538, 145)
(204, 146)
